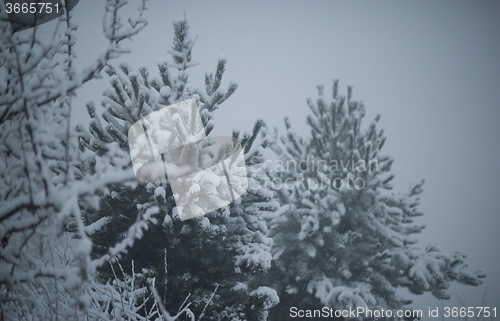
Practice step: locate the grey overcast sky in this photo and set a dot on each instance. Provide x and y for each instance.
(430, 68)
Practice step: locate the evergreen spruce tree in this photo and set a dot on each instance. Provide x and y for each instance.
(341, 238)
(212, 260)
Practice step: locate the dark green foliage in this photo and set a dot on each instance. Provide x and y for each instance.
(214, 259)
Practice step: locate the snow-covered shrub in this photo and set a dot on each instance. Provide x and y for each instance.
(46, 271)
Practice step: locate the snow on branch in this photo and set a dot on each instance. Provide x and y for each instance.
(46, 270)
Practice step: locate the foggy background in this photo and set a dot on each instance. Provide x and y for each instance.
(431, 69)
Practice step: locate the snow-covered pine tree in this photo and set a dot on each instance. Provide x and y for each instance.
(213, 259)
(341, 239)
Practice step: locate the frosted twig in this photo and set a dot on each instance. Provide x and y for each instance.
(209, 300)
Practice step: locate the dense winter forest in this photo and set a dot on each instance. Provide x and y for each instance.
(82, 239)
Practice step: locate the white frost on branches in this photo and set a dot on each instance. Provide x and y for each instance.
(46, 271)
